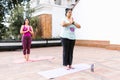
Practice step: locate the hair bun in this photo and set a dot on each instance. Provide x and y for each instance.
(68, 9)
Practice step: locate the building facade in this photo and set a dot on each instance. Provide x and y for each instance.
(99, 20)
(50, 13)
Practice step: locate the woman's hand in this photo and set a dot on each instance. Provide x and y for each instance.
(64, 24)
(74, 23)
(71, 20)
(77, 25)
(26, 30)
(31, 30)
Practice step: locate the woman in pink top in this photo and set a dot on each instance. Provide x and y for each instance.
(26, 31)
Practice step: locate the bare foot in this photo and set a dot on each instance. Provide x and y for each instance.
(25, 57)
(71, 67)
(67, 67)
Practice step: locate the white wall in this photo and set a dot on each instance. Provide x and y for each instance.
(100, 20)
(58, 13)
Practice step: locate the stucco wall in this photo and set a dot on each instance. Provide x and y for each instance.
(100, 20)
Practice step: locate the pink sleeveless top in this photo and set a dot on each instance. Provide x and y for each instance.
(25, 29)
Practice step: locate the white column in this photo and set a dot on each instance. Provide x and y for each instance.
(44, 1)
(52, 2)
(64, 2)
(73, 1)
(38, 1)
(68, 2)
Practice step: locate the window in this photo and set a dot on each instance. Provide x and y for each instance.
(58, 2)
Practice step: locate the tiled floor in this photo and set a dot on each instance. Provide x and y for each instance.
(107, 66)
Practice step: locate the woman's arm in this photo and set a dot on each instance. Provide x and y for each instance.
(76, 24)
(31, 31)
(64, 24)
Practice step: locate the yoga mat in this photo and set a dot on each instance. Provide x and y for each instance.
(62, 71)
(19, 61)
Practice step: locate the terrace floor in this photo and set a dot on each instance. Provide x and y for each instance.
(106, 62)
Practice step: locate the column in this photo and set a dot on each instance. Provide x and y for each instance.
(44, 1)
(38, 1)
(52, 2)
(63, 2)
(58, 2)
(73, 1)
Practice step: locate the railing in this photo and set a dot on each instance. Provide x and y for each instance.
(13, 45)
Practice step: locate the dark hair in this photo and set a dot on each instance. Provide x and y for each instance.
(66, 10)
(25, 20)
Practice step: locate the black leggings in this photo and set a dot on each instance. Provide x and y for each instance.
(68, 46)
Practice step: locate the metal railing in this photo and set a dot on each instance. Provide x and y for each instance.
(13, 45)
